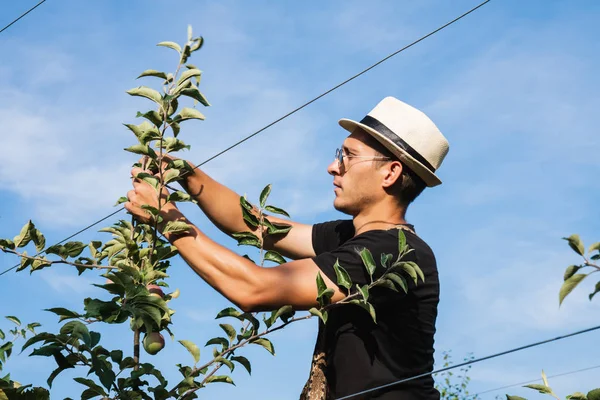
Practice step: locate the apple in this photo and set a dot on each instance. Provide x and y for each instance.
(155, 290)
(153, 342)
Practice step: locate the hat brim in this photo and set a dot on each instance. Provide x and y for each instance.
(423, 172)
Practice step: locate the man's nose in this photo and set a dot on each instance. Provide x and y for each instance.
(333, 169)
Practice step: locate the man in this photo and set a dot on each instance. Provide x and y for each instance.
(384, 164)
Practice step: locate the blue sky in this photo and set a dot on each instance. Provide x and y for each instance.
(513, 87)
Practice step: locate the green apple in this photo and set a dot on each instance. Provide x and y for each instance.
(153, 342)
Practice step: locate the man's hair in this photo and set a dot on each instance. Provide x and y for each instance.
(409, 186)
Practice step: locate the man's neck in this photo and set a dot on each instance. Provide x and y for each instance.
(381, 216)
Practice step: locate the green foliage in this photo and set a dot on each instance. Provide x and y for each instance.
(454, 385)
(572, 278)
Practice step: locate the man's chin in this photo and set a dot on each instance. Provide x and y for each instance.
(341, 207)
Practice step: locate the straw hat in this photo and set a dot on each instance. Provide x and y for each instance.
(408, 133)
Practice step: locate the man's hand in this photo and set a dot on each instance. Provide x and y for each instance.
(144, 194)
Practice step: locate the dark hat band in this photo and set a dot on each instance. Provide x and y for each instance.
(389, 134)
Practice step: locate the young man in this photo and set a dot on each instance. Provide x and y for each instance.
(384, 164)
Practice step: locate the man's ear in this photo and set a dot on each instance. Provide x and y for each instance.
(392, 173)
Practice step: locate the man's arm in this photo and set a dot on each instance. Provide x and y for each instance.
(247, 285)
(222, 206)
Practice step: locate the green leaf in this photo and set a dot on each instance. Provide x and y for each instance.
(569, 285)
(190, 73)
(595, 246)
(570, 271)
(218, 340)
(596, 290)
(508, 397)
(150, 179)
(264, 195)
(244, 361)
(247, 238)
(188, 113)
(318, 313)
(144, 91)
(577, 396)
(594, 394)
(398, 280)
(24, 237)
(63, 313)
(143, 149)
(192, 348)
(172, 144)
(576, 244)
(195, 94)
(342, 276)
(96, 389)
(13, 319)
(179, 196)
(368, 261)
(176, 227)
(7, 243)
(120, 200)
(266, 343)
(153, 72)
(367, 307)
(285, 312)
(220, 378)
(321, 286)
(229, 330)
(409, 269)
(277, 210)
(250, 218)
(364, 291)
(153, 116)
(385, 260)
(171, 45)
(39, 240)
(539, 388)
(275, 257)
(228, 312)
(401, 241)
(73, 249)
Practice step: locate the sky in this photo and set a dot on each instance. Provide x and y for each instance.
(513, 87)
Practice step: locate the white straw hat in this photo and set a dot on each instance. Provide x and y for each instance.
(408, 133)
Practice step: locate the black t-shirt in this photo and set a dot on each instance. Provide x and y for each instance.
(361, 354)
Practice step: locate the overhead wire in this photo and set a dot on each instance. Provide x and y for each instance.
(22, 15)
(532, 381)
(477, 360)
(291, 112)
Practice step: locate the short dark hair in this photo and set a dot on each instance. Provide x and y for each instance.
(409, 186)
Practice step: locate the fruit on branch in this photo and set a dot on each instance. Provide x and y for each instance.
(153, 343)
(155, 290)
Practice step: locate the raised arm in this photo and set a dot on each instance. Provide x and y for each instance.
(222, 206)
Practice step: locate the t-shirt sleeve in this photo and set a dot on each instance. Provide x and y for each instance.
(347, 254)
(330, 235)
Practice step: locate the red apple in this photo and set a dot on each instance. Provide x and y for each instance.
(155, 290)
(153, 343)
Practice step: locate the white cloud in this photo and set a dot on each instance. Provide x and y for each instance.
(67, 283)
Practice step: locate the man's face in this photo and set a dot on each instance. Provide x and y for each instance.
(357, 182)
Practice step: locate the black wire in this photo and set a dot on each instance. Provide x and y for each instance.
(70, 237)
(344, 82)
(300, 108)
(534, 380)
(470, 362)
(22, 15)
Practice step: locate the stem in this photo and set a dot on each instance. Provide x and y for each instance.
(49, 262)
(136, 349)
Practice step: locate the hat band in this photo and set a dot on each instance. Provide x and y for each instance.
(389, 134)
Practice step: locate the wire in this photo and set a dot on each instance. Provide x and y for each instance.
(534, 380)
(344, 82)
(67, 238)
(470, 362)
(22, 15)
(301, 107)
